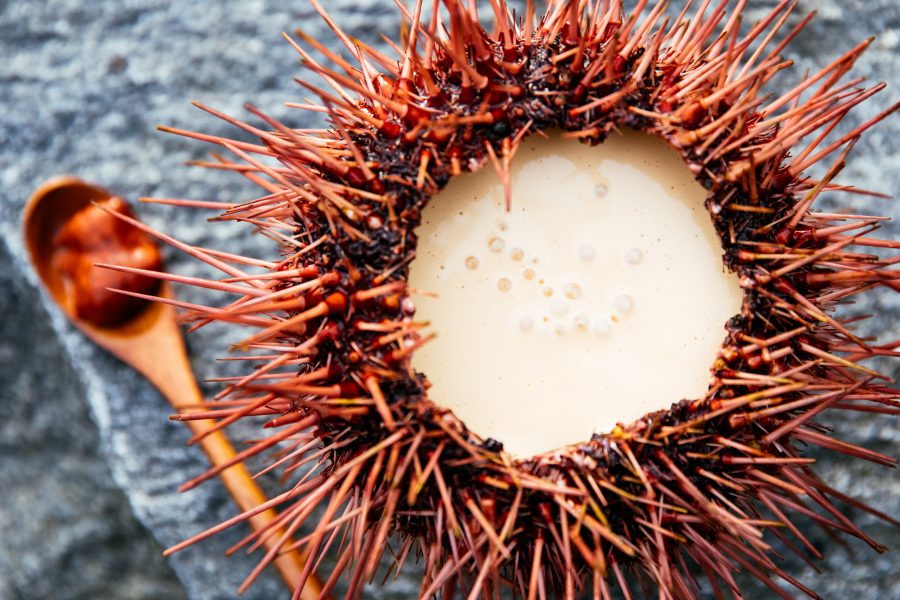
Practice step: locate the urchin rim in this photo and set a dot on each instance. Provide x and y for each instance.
(553, 456)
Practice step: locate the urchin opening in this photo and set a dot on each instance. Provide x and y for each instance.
(599, 297)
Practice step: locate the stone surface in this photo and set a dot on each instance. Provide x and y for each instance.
(66, 529)
(89, 464)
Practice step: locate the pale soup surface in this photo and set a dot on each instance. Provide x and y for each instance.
(600, 297)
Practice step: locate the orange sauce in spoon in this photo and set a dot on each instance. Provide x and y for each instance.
(90, 236)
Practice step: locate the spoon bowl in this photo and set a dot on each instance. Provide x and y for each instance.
(50, 207)
(151, 343)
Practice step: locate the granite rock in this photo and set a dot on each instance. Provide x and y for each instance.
(89, 464)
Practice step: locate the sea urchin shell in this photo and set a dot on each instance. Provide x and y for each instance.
(680, 495)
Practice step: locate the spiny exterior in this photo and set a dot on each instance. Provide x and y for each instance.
(684, 494)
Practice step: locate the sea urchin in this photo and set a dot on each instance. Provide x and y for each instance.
(681, 495)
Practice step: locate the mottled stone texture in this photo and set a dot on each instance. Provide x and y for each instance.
(89, 464)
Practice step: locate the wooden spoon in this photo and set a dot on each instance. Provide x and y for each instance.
(152, 344)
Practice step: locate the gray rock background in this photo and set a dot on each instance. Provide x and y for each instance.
(89, 464)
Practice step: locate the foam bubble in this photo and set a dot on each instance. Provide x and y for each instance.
(581, 323)
(559, 308)
(624, 304)
(572, 291)
(526, 323)
(602, 327)
(587, 252)
(634, 256)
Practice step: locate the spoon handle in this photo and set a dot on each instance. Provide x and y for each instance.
(172, 375)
